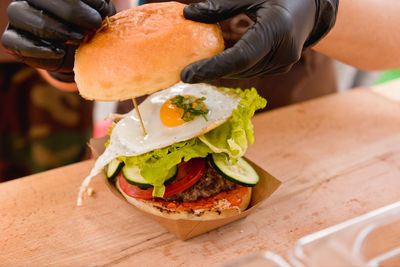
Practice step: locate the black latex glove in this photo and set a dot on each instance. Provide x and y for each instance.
(46, 33)
(282, 29)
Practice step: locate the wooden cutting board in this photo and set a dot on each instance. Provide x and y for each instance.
(337, 156)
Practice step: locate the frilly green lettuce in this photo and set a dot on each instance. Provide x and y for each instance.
(230, 138)
(155, 163)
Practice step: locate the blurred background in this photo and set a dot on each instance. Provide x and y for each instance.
(43, 127)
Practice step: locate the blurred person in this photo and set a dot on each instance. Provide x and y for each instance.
(263, 38)
(313, 75)
(284, 28)
(41, 127)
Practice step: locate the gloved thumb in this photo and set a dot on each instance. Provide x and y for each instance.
(212, 11)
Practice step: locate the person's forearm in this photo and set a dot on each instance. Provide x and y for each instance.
(366, 34)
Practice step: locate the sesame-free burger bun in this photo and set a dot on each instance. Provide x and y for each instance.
(141, 51)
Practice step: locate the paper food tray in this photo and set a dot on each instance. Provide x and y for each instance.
(186, 229)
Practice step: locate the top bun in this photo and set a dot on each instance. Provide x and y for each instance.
(143, 50)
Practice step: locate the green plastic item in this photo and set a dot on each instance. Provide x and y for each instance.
(388, 76)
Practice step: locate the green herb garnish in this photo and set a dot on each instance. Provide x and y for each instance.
(191, 106)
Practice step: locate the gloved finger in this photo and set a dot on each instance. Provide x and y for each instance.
(69, 58)
(46, 64)
(270, 64)
(249, 50)
(75, 12)
(275, 71)
(62, 64)
(23, 46)
(25, 17)
(212, 11)
(104, 7)
(112, 11)
(259, 71)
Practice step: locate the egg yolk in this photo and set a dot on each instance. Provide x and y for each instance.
(171, 115)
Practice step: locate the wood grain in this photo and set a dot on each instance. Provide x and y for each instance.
(338, 157)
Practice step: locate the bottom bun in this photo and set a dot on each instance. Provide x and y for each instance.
(221, 209)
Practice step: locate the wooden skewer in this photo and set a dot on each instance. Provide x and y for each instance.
(107, 21)
(140, 117)
(104, 26)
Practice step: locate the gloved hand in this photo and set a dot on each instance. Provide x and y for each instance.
(46, 33)
(282, 29)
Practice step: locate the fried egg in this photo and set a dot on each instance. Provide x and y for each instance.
(163, 123)
(128, 135)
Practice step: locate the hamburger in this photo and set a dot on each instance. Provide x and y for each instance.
(190, 163)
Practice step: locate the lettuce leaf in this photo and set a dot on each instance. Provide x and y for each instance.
(230, 138)
(155, 163)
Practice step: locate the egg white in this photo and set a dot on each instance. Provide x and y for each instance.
(127, 137)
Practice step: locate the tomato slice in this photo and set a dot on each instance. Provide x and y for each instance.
(188, 174)
(132, 190)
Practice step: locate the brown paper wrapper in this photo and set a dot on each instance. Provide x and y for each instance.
(186, 229)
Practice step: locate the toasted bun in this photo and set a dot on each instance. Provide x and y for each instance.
(217, 212)
(141, 51)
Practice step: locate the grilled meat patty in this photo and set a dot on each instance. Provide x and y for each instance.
(208, 185)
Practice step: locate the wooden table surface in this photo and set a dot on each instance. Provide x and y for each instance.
(337, 157)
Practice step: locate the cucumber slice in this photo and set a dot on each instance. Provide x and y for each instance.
(113, 168)
(241, 173)
(132, 175)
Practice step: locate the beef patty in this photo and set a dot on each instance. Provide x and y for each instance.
(208, 185)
